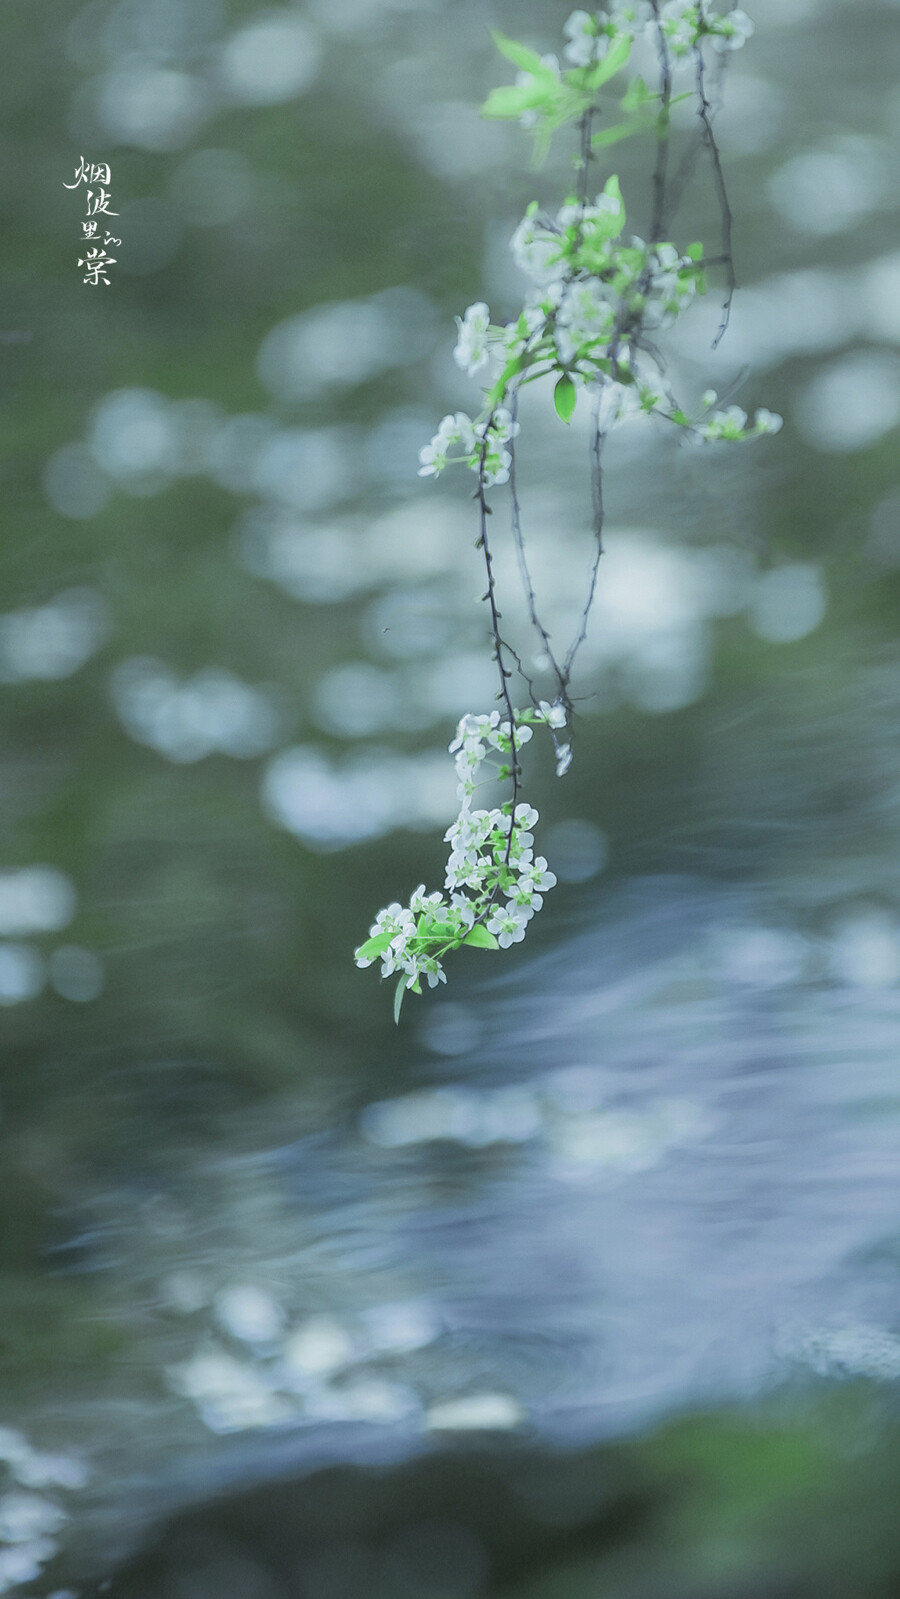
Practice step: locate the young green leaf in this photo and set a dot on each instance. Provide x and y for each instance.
(511, 102)
(481, 938)
(373, 946)
(636, 95)
(624, 130)
(520, 55)
(612, 61)
(564, 397)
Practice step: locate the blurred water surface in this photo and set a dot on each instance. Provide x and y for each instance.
(644, 1170)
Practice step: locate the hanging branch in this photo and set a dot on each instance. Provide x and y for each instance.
(590, 323)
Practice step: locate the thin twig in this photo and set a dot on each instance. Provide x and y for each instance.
(598, 439)
(505, 675)
(705, 112)
(587, 156)
(525, 571)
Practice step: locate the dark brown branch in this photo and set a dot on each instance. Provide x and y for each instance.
(661, 166)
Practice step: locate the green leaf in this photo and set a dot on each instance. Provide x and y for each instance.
(512, 368)
(636, 95)
(374, 946)
(694, 252)
(510, 103)
(564, 397)
(520, 55)
(481, 938)
(398, 999)
(612, 61)
(624, 130)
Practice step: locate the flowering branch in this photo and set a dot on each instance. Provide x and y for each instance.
(589, 322)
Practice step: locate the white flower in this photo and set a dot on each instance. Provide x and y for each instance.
(469, 730)
(454, 430)
(406, 930)
(496, 469)
(534, 247)
(679, 22)
(633, 15)
(501, 737)
(586, 315)
(464, 908)
(470, 756)
(616, 401)
(425, 966)
(585, 44)
(667, 257)
(605, 205)
(399, 925)
(420, 902)
(524, 896)
(768, 421)
(471, 351)
(554, 715)
(520, 852)
(733, 31)
(463, 872)
(540, 877)
(493, 463)
(563, 759)
(508, 924)
(500, 427)
(727, 424)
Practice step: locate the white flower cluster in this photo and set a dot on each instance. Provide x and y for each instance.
(471, 351)
(493, 883)
(594, 299)
(586, 42)
(454, 431)
(684, 24)
(732, 423)
(480, 444)
(588, 33)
